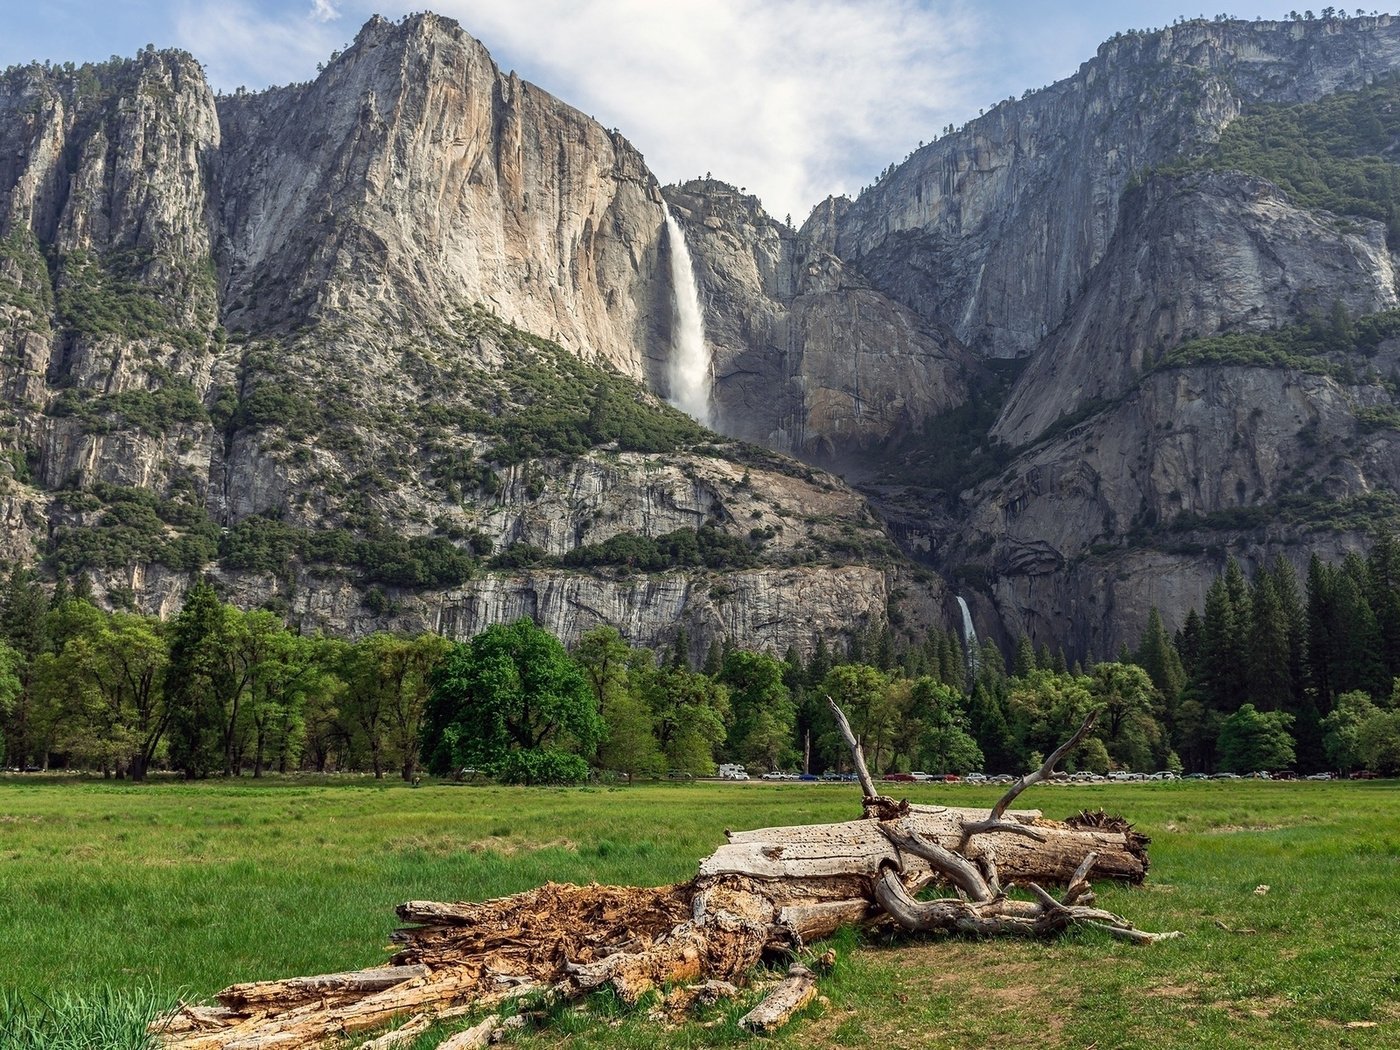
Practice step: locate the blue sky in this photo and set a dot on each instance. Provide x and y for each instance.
(793, 99)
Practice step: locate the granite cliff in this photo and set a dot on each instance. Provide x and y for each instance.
(1097, 231)
(385, 349)
(373, 350)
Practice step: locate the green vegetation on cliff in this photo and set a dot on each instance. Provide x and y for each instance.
(1334, 154)
(543, 401)
(24, 278)
(1322, 346)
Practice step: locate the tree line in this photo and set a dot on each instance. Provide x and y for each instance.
(1271, 674)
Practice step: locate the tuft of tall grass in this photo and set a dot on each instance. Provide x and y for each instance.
(108, 1019)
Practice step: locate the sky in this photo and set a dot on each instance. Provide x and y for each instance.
(792, 99)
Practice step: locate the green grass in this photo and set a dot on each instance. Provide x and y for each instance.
(115, 899)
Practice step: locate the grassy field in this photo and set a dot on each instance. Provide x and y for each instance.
(116, 900)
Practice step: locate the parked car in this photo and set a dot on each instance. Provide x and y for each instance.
(775, 775)
(1365, 774)
(950, 778)
(920, 775)
(812, 777)
(909, 777)
(1320, 776)
(976, 778)
(832, 776)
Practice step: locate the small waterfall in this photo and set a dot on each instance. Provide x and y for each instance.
(690, 356)
(969, 643)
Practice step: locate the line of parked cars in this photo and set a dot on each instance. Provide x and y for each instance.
(732, 772)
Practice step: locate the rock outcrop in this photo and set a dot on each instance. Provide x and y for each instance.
(994, 229)
(808, 358)
(253, 334)
(1193, 256)
(1139, 505)
(286, 336)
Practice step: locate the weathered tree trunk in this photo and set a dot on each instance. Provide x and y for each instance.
(763, 894)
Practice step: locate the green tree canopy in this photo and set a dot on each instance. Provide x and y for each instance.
(512, 700)
(1252, 740)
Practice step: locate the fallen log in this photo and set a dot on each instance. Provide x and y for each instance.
(764, 893)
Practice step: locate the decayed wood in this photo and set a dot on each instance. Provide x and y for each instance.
(400, 1037)
(778, 1007)
(325, 986)
(475, 1037)
(764, 893)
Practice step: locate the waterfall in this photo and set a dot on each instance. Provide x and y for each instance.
(969, 643)
(690, 357)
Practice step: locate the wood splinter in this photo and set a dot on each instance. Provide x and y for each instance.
(761, 895)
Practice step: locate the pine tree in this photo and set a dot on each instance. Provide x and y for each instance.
(1024, 662)
(1321, 581)
(1222, 672)
(1158, 657)
(954, 662)
(1270, 686)
(991, 667)
(680, 651)
(820, 663)
(986, 716)
(714, 659)
(1188, 643)
(1044, 659)
(883, 654)
(1383, 569)
(1290, 602)
(24, 627)
(1356, 637)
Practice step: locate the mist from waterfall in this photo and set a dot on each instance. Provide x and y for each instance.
(690, 356)
(969, 643)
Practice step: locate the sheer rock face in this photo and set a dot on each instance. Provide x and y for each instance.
(1191, 257)
(106, 221)
(1021, 234)
(414, 173)
(1136, 506)
(340, 229)
(808, 358)
(993, 230)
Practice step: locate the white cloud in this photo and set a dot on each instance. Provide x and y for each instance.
(793, 99)
(241, 46)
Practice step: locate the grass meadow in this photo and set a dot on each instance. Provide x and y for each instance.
(116, 900)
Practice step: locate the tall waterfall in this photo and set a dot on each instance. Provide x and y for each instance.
(969, 643)
(690, 356)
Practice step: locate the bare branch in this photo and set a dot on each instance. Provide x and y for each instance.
(1048, 767)
(1127, 933)
(867, 783)
(960, 871)
(1079, 881)
(780, 1005)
